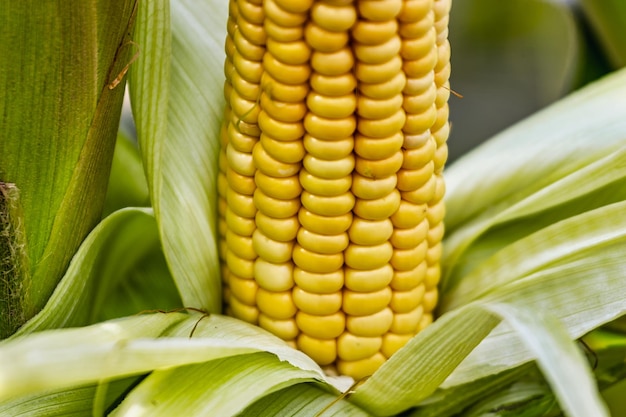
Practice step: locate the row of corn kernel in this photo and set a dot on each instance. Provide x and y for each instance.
(326, 178)
(278, 158)
(243, 134)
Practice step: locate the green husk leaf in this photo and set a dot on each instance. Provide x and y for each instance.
(58, 62)
(303, 400)
(202, 389)
(608, 19)
(178, 111)
(118, 348)
(110, 252)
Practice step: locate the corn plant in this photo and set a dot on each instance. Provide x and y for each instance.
(268, 132)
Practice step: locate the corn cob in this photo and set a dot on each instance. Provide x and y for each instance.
(330, 184)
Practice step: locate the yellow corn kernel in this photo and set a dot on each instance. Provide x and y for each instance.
(330, 182)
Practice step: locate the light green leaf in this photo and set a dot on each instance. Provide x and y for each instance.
(110, 251)
(222, 387)
(178, 110)
(303, 400)
(64, 358)
(60, 117)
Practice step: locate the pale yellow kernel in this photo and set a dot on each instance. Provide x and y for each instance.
(408, 259)
(286, 329)
(385, 89)
(409, 215)
(285, 73)
(243, 268)
(323, 224)
(370, 232)
(283, 111)
(254, 33)
(333, 18)
(378, 73)
(271, 250)
(251, 12)
(321, 327)
(440, 189)
(241, 184)
(222, 184)
(328, 149)
(240, 204)
(271, 166)
(417, 47)
(240, 245)
(377, 148)
(374, 32)
(290, 152)
(334, 63)
(393, 342)
(412, 179)
(418, 28)
(333, 85)
(418, 157)
(435, 234)
(244, 289)
(328, 205)
(326, 244)
(410, 237)
(413, 10)
(436, 212)
(443, 94)
(382, 128)
(380, 208)
(251, 129)
(277, 305)
(328, 169)
(419, 103)
(324, 187)
(353, 348)
(324, 40)
(282, 230)
(433, 255)
(318, 283)
(377, 54)
(441, 155)
(361, 368)
(242, 311)
(430, 300)
(247, 53)
(333, 107)
(427, 319)
(419, 83)
(366, 303)
(372, 188)
(421, 66)
(368, 257)
(283, 92)
(407, 280)
(273, 277)
(442, 76)
(280, 188)
(322, 351)
(368, 280)
(240, 141)
(317, 304)
(378, 108)
(290, 53)
(379, 10)
(432, 276)
(376, 324)
(406, 301)
(380, 168)
(418, 123)
(245, 110)
(329, 129)
(422, 195)
(316, 262)
(241, 225)
(283, 17)
(276, 208)
(240, 162)
(407, 322)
